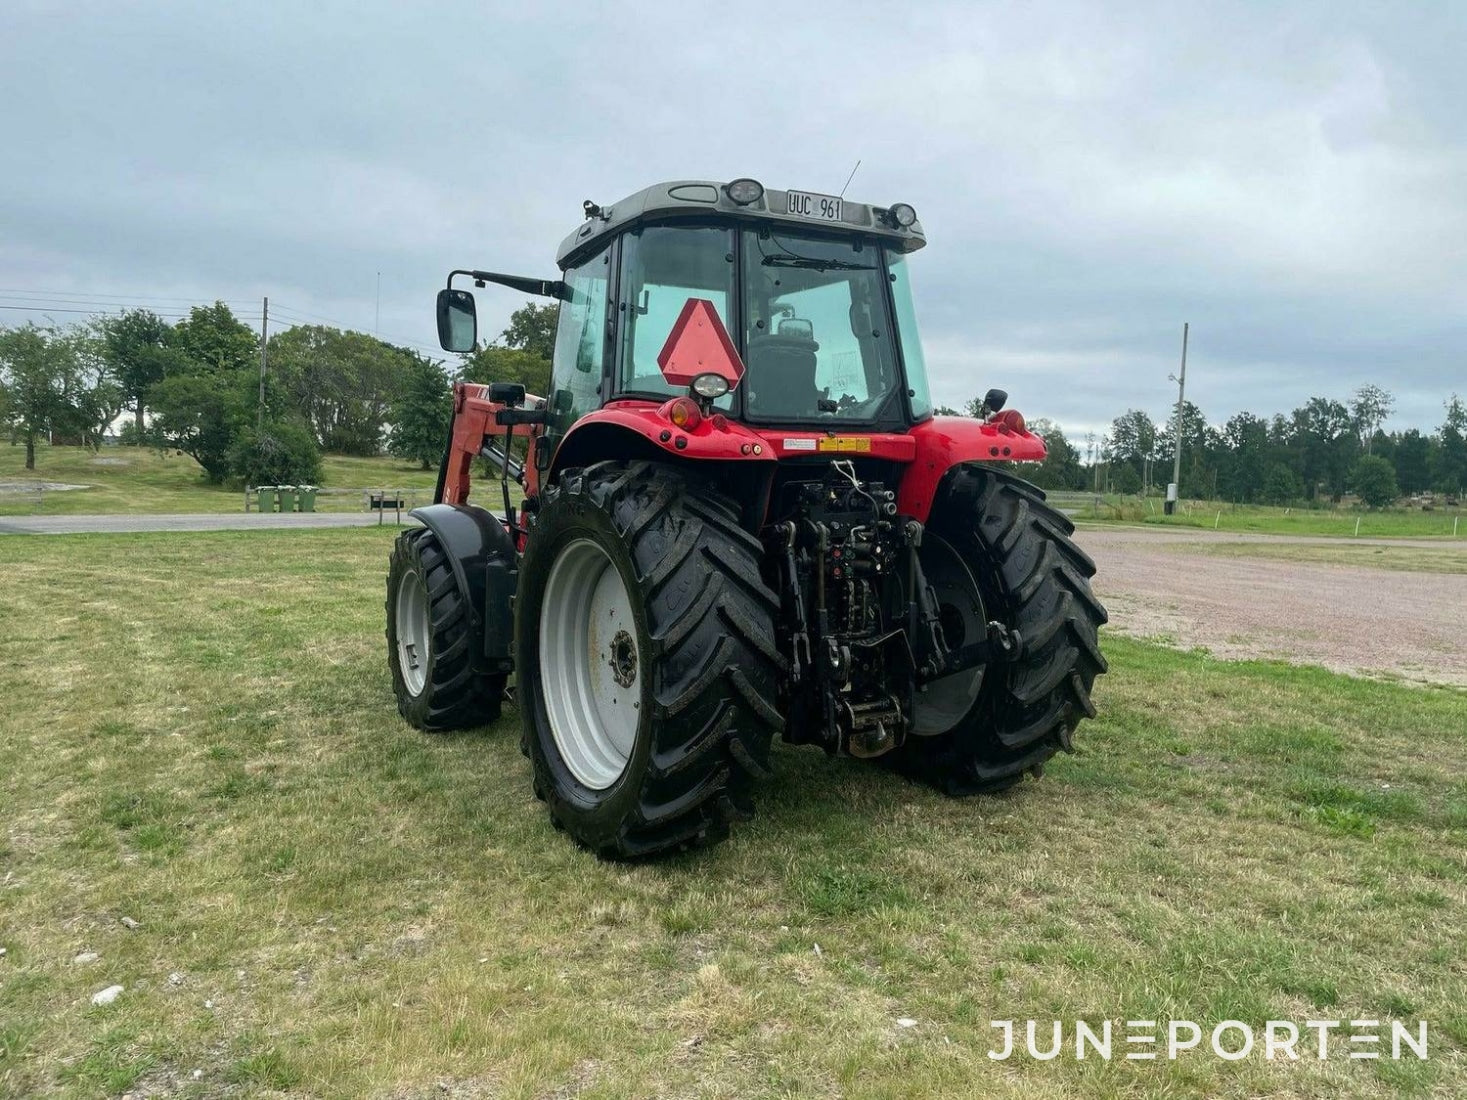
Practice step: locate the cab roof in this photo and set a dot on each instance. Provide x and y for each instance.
(703, 199)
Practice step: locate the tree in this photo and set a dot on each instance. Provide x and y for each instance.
(945, 410)
(201, 413)
(1245, 456)
(1324, 431)
(1281, 485)
(1411, 459)
(1061, 466)
(1450, 473)
(1133, 443)
(98, 399)
(43, 383)
(342, 383)
(532, 329)
(1369, 407)
(497, 364)
(214, 337)
(421, 413)
(1375, 482)
(136, 346)
(1200, 447)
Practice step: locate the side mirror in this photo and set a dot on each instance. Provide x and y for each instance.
(994, 400)
(458, 324)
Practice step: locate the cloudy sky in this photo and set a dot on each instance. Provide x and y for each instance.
(1290, 178)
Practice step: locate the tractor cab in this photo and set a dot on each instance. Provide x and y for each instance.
(812, 290)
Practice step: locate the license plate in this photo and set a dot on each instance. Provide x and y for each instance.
(824, 208)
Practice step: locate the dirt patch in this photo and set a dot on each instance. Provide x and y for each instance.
(1354, 619)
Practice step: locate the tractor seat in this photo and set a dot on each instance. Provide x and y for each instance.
(782, 376)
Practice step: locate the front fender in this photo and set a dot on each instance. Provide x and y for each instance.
(947, 441)
(482, 555)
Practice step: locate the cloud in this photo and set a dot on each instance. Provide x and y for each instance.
(1288, 178)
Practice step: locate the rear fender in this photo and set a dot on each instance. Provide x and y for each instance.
(485, 565)
(944, 442)
(736, 460)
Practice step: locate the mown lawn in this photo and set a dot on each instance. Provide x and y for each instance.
(143, 480)
(198, 734)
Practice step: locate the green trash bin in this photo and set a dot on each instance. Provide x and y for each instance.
(265, 497)
(308, 497)
(287, 498)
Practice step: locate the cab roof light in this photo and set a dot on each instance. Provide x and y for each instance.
(902, 215)
(744, 191)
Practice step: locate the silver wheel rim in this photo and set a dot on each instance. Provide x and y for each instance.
(946, 702)
(590, 666)
(414, 632)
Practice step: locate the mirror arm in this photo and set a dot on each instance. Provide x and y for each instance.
(545, 288)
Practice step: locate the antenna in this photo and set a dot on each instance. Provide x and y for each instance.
(848, 180)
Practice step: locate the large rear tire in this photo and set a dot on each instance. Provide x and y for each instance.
(646, 660)
(1031, 577)
(433, 648)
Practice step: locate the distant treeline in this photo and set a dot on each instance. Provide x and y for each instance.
(195, 386)
(1322, 450)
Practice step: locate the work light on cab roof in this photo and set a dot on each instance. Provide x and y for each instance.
(740, 517)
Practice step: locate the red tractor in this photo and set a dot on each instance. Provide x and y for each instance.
(740, 519)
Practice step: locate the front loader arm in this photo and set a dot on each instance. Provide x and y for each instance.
(476, 420)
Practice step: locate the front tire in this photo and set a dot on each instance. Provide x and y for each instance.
(647, 668)
(433, 647)
(1032, 577)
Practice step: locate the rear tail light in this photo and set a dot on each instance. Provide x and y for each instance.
(1010, 420)
(683, 412)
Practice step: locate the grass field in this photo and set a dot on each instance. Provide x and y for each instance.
(143, 480)
(1261, 519)
(199, 736)
(1447, 558)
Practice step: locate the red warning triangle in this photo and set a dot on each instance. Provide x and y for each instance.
(699, 344)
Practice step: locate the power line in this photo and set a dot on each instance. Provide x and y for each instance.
(59, 309)
(15, 292)
(395, 337)
(100, 307)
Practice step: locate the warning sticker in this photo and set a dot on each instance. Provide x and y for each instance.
(799, 444)
(846, 443)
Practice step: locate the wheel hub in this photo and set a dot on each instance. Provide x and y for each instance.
(590, 668)
(414, 632)
(624, 659)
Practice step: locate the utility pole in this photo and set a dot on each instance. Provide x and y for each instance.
(1172, 489)
(264, 344)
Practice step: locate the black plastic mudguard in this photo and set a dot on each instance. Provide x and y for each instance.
(486, 567)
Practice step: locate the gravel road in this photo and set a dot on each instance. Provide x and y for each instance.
(1343, 617)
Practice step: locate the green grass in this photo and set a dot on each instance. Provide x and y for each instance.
(1261, 519)
(143, 480)
(199, 735)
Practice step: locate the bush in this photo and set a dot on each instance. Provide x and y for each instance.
(1375, 482)
(129, 436)
(279, 454)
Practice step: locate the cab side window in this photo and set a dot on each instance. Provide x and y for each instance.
(580, 344)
